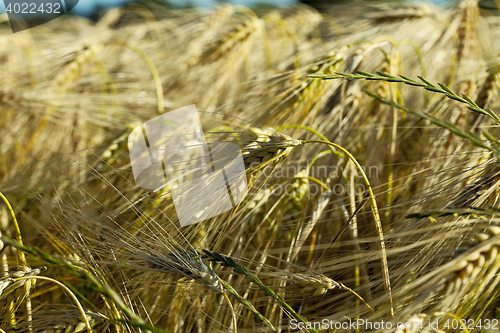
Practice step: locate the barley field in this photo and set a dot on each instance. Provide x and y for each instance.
(370, 138)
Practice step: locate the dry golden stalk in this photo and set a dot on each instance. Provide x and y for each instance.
(467, 30)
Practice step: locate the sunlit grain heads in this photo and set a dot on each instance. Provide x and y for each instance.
(70, 325)
(467, 30)
(68, 322)
(262, 147)
(8, 283)
(470, 266)
(488, 88)
(317, 284)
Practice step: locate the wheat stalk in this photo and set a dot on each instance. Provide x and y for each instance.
(22, 261)
(376, 215)
(473, 138)
(19, 238)
(442, 89)
(247, 304)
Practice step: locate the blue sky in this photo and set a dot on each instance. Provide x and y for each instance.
(87, 6)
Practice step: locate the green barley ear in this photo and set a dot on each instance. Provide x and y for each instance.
(184, 262)
(247, 305)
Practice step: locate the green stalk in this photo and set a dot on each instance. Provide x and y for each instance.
(97, 285)
(229, 262)
(442, 89)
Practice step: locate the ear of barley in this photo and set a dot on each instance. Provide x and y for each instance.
(70, 325)
(8, 285)
(186, 263)
(166, 256)
(471, 265)
(465, 276)
(467, 42)
(297, 196)
(55, 321)
(319, 284)
(264, 147)
(487, 90)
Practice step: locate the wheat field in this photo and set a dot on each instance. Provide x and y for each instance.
(371, 143)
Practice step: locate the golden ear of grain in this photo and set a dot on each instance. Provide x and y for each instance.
(467, 30)
(227, 44)
(73, 324)
(296, 197)
(264, 147)
(8, 285)
(468, 268)
(487, 90)
(318, 283)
